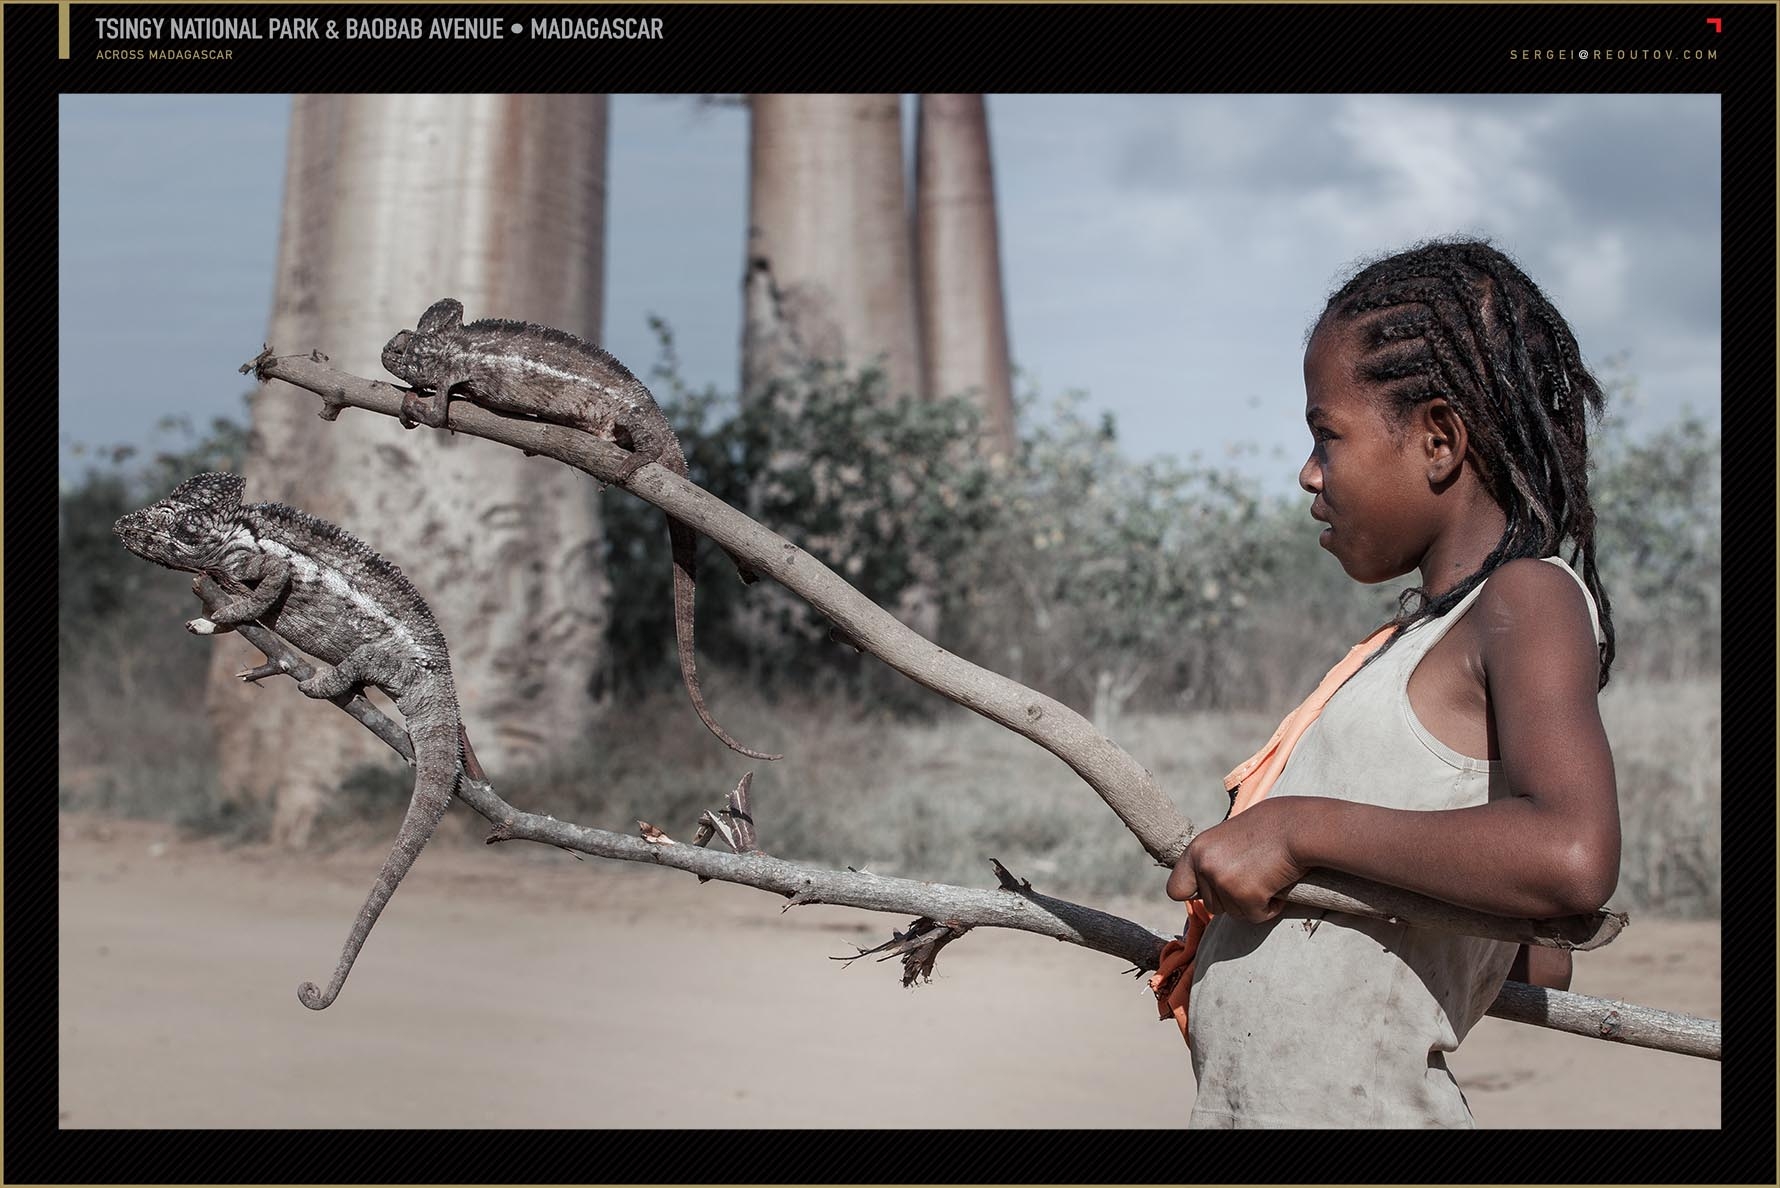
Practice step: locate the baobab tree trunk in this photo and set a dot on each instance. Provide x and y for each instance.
(392, 202)
(958, 262)
(829, 274)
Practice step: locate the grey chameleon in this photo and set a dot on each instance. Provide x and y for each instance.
(327, 593)
(527, 370)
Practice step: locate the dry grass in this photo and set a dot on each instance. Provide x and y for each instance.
(134, 740)
(938, 800)
(1667, 741)
(932, 800)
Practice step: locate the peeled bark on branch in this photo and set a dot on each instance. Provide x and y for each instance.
(1123, 783)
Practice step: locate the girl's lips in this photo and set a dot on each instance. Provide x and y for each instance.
(1319, 511)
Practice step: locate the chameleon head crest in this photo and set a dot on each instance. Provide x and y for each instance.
(443, 314)
(408, 354)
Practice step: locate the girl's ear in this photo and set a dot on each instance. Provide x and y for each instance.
(1446, 440)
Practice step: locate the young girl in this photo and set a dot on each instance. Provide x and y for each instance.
(1466, 759)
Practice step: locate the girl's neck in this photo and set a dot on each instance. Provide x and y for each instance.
(1462, 547)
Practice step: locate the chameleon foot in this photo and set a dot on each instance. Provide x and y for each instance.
(415, 410)
(631, 465)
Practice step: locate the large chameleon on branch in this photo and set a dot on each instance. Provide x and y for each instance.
(327, 593)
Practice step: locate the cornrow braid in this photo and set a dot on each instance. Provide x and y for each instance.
(1459, 321)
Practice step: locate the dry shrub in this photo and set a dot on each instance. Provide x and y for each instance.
(1667, 739)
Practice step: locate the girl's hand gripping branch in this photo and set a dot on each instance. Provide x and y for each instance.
(1242, 865)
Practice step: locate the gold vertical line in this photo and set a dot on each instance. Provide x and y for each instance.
(62, 29)
(3, 357)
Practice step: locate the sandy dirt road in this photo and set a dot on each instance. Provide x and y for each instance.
(518, 987)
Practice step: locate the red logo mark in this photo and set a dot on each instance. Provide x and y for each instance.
(1717, 24)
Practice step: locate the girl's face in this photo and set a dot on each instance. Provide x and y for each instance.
(1369, 476)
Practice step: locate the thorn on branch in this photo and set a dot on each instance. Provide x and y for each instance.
(1007, 880)
(841, 637)
(798, 898)
(654, 836)
(918, 947)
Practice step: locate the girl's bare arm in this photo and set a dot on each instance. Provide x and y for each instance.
(1548, 848)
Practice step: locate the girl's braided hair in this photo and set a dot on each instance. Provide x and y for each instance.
(1456, 319)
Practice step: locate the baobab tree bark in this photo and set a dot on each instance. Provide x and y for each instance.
(829, 271)
(391, 202)
(829, 274)
(958, 262)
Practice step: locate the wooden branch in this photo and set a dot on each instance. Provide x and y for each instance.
(1600, 1018)
(943, 912)
(1123, 783)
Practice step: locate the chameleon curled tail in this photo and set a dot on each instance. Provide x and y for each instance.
(438, 763)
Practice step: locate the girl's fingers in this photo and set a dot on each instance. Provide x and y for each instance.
(1181, 882)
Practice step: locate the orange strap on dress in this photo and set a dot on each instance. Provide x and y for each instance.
(1250, 781)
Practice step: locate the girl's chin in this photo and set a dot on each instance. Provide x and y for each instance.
(1354, 567)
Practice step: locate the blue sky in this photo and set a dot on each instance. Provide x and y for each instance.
(1164, 254)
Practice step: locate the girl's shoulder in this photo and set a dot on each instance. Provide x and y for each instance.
(1531, 606)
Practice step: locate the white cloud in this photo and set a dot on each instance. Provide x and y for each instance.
(1164, 252)
(1594, 274)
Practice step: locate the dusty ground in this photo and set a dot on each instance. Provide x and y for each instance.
(517, 987)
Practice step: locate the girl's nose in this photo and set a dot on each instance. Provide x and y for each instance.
(1310, 475)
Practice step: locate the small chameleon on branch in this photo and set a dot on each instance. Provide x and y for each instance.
(523, 369)
(329, 594)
